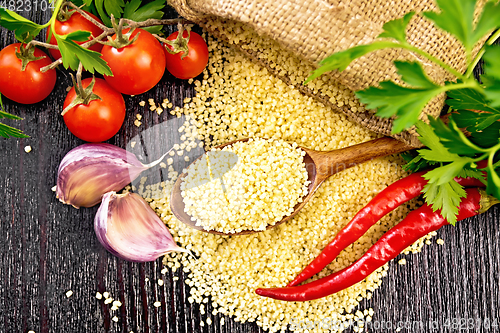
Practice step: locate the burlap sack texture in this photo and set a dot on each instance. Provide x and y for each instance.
(314, 29)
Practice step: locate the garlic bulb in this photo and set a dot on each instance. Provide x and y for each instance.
(92, 169)
(129, 228)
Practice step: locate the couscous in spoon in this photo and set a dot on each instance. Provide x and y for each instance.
(320, 165)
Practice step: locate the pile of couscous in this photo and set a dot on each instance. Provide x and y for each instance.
(262, 187)
(236, 99)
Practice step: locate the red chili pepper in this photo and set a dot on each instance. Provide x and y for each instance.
(387, 200)
(417, 224)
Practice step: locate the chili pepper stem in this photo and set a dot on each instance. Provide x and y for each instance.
(487, 201)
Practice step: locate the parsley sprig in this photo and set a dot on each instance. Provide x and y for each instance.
(474, 103)
(8, 131)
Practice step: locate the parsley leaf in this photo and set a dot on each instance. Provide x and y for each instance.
(493, 181)
(8, 131)
(340, 60)
(73, 54)
(415, 162)
(413, 74)
(471, 99)
(397, 28)
(475, 121)
(491, 56)
(452, 138)
(456, 17)
(24, 29)
(489, 21)
(405, 102)
(134, 12)
(107, 7)
(446, 197)
(488, 137)
(492, 90)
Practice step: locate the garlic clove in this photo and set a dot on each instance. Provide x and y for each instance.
(129, 228)
(92, 169)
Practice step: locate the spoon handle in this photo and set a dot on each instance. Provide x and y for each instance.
(330, 162)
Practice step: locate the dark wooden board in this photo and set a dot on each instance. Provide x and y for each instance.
(47, 248)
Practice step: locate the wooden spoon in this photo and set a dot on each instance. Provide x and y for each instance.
(319, 165)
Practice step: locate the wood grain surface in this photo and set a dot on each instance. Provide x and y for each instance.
(47, 248)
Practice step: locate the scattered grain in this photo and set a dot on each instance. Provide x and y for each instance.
(142, 103)
(69, 293)
(157, 304)
(115, 319)
(241, 99)
(27, 149)
(440, 241)
(98, 295)
(137, 123)
(402, 261)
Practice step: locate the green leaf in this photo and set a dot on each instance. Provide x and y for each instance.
(78, 36)
(413, 74)
(493, 181)
(25, 30)
(491, 58)
(415, 162)
(436, 151)
(150, 10)
(444, 174)
(340, 60)
(391, 99)
(488, 137)
(114, 7)
(492, 90)
(455, 17)
(8, 131)
(475, 121)
(73, 54)
(470, 99)
(452, 138)
(99, 5)
(446, 197)
(473, 173)
(397, 28)
(489, 21)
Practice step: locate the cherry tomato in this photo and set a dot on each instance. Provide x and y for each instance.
(194, 63)
(75, 22)
(100, 120)
(137, 67)
(28, 86)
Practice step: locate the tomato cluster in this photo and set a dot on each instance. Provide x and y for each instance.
(137, 67)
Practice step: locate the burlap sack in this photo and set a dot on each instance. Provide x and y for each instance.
(314, 29)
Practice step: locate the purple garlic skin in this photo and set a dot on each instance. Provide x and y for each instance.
(129, 228)
(92, 169)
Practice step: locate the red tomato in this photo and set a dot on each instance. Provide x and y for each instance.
(194, 63)
(137, 67)
(100, 120)
(28, 86)
(74, 23)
